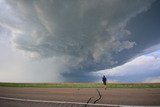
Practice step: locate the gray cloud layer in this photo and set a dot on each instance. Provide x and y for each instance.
(83, 35)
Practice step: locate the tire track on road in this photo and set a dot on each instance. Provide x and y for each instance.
(88, 101)
(100, 96)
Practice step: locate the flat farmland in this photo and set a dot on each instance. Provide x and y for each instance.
(81, 85)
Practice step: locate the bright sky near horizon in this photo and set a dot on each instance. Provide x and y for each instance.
(79, 40)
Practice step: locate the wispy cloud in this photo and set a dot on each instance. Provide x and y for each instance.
(145, 66)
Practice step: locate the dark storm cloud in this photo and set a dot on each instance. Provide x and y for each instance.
(89, 36)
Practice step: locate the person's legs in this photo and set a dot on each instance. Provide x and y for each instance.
(104, 83)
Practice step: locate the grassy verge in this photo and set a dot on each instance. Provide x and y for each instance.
(82, 85)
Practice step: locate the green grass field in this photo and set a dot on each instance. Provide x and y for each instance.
(82, 85)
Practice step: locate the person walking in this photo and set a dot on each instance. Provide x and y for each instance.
(104, 79)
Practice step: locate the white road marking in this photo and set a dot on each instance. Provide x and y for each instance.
(65, 102)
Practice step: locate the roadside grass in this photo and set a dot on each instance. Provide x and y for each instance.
(82, 85)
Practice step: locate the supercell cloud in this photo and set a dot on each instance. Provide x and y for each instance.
(76, 36)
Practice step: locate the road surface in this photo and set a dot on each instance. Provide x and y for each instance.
(77, 97)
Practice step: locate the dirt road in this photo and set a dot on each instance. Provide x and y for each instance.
(150, 97)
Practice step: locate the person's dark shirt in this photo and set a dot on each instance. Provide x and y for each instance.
(104, 79)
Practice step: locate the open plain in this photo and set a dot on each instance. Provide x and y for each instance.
(78, 97)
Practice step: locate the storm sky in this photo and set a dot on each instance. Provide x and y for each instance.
(79, 40)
